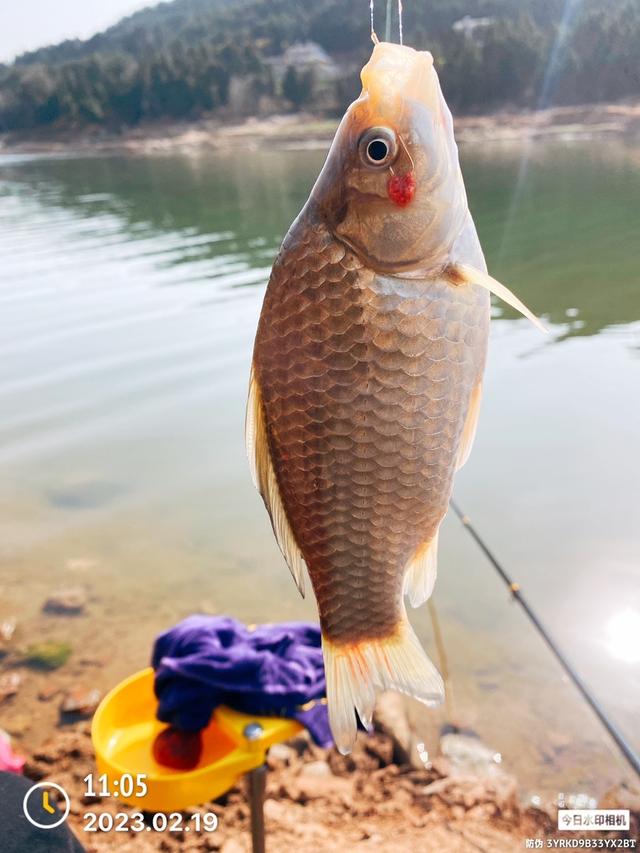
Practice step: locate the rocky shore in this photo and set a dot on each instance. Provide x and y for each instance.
(379, 798)
(394, 792)
(302, 130)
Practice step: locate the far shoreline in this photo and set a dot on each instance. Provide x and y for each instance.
(302, 130)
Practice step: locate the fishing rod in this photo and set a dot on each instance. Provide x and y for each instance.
(625, 748)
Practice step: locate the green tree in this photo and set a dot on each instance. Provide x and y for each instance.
(297, 86)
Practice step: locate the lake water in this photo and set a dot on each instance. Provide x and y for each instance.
(129, 294)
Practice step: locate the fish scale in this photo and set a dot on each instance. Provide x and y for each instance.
(365, 382)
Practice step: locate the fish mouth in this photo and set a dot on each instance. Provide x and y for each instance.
(395, 73)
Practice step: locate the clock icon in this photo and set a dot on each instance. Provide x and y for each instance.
(42, 805)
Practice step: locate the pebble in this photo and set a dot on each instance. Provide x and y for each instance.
(9, 685)
(80, 701)
(274, 810)
(45, 694)
(390, 717)
(66, 602)
(7, 630)
(280, 753)
(232, 846)
(316, 768)
(467, 755)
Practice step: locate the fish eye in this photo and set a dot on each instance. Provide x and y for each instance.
(378, 147)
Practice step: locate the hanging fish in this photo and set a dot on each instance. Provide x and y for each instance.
(367, 378)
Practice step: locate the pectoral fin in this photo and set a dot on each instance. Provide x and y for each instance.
(264, 479)
(470, 425)
(471, 275)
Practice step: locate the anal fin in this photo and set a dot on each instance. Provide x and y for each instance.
(470, 426)
(421, 571)
(264, 479)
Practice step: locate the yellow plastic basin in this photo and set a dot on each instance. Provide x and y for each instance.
(125, 726)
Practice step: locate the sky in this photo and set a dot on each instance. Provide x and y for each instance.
(27, 24)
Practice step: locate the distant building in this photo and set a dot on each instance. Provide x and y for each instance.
(303, 57)
(309, 60)
(470, 27)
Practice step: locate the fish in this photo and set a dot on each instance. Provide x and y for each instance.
(366, 380)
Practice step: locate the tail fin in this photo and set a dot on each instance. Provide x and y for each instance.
(354, 671)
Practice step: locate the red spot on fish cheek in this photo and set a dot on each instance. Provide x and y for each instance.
(401, 189)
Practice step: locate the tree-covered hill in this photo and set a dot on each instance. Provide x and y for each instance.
(187, 58)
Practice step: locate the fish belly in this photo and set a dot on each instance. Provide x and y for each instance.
(365, 382)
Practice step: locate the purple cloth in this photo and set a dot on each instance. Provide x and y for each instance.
(206, 661)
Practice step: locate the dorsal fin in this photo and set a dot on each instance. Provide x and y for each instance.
(264, 479)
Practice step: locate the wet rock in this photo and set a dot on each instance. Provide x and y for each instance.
(280, 755)
(391, 718)
(232, 846)
(99, 662)
(303, 744)
(80, 701)
(7, 630)
(625, 796)
(315, 769)
(47, 655)
(274, 810)
(380, 748)
(467, 755)
(576, 800)
(307, 787)
(46, 694)
(441, 766)
(488, 686)
(464, 793)
(9, 685)
(66, 602)
(370, 752)
(85, 494)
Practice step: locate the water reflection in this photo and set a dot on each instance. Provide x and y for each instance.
(623, 635)
(570, 252)
(129, 294)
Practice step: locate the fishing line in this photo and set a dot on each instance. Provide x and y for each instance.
(625, 748)
(371, 16)
(400, 20)
(443, 660)
(387, 23)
